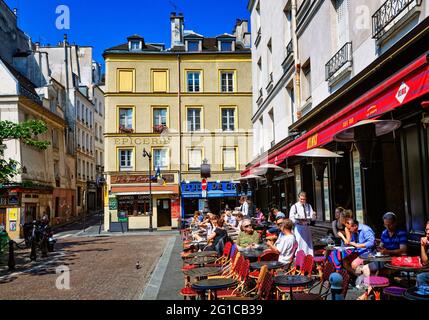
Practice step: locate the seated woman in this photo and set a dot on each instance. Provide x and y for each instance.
(336, 257)
(247, 238)
(217, 238)
(259, 217)
(338, 225)
(285, 245)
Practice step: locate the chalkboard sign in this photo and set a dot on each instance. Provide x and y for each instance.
(113, 204)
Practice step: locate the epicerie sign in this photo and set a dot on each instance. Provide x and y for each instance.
(142, 140)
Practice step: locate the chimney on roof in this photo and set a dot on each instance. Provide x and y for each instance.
(241, 32)
(177, 30)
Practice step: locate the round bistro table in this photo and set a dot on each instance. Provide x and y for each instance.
(292, 281)
(202, 272)
(270, 264)
(407, 270)
(200, 260)
(201, 254)
(413, 294)
(213, 284)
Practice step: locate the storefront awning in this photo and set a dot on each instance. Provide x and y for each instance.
(407, 85)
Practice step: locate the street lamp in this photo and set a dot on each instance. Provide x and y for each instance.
(149, 155)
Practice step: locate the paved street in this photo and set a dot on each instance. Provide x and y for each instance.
(100, 268)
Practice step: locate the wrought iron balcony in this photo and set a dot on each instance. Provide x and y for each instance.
(388, 12)
(270, 82)
(289, 49)
(258, 37)
(260, 97)
(288, 61)
(341, 58)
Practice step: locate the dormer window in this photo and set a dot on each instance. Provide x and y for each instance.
(193, 45)
(226, 46)
(135, 45)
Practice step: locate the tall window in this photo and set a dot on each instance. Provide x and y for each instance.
(92, 171)
(160, 116)
(228, 119)
(83, 140)
(125, 159)
(193, 78)
(229, 159)
(78, 110)
(86, 115)
(227, 81)
(273, 127)
(79, 167)
(126, 118)
(195, 159)
(306, 83)
(269, 61)
(342, 22)
(160, 159)
(194, 119)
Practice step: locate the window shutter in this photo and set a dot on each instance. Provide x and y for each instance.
(126, 81)
(160, 81)
(229, 158)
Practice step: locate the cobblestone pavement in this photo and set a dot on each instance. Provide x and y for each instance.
(100, 268)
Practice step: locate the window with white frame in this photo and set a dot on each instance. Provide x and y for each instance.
(193, 45)
(160, 116)
(226, 46)
(125, 159)
(194, 119)
(160, 159)
(126, 118)
(193, 80)
(195, 159)
(229, 159)
(228, 119)
(227, 81)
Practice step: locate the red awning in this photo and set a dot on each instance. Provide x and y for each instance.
(408, 84)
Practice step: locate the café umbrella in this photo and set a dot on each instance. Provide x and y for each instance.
(319, 157)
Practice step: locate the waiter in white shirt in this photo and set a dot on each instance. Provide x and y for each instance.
(244, 208)
(301, 213)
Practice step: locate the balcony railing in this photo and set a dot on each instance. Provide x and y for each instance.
(270, 82)
(258, 36)
(123, 129)
(289, 49)
(341, 58)
(387, 13)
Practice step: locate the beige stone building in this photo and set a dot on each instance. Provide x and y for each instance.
(182, 105)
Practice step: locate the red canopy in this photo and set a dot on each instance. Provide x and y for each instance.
(408, 84)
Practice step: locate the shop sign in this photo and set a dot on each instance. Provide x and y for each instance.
(13, 214)
(142, 141)
(169, 178)
(12, 225)
(312, 141)
(113, 203)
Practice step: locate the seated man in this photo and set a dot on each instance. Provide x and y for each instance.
(286, 244)
(230, 219)
(247, 236)
(363, 239)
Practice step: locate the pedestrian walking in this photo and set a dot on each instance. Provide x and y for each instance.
(301, 213)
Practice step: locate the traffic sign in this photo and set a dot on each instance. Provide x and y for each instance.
(204, 193)
(204, 184)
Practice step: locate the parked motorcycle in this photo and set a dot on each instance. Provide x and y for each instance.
(39, 235)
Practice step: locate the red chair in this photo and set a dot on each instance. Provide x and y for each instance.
(241, 278)
(299, 261)
(268, 255)
(323, 284)
(306, 270)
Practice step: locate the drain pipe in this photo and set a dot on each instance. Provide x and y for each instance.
(296, 60)
(179, 103)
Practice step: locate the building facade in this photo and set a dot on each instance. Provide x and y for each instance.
(334, 64)
(182, 105)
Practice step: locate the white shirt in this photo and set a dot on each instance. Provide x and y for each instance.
(297, 212)
(245, 208)
(287, 246)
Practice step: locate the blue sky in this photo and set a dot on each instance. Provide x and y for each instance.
(103, 24)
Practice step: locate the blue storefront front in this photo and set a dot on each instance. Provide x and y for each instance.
(219, 195)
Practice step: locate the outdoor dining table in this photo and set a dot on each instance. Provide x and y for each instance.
(407, 270)
(213, 284)
(251, 254)
(270, 264)
(202, 272)
(379, 259)
(201, 254)
(201, 260)
(292, 281)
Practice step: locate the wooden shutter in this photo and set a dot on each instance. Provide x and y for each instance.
(126, 81)
(160, 81)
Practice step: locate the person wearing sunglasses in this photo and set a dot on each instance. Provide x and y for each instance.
(247, 238)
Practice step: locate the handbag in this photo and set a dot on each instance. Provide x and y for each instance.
(407, 261)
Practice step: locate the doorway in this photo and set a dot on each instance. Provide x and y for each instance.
(163, 207)
(3, 217)
(30, 212)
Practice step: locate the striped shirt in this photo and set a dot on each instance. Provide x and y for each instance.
(394, 242)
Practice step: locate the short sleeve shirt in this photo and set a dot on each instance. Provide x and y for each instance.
(287, 246)
(393, 243)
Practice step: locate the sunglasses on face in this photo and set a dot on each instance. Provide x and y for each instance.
(246, 226)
